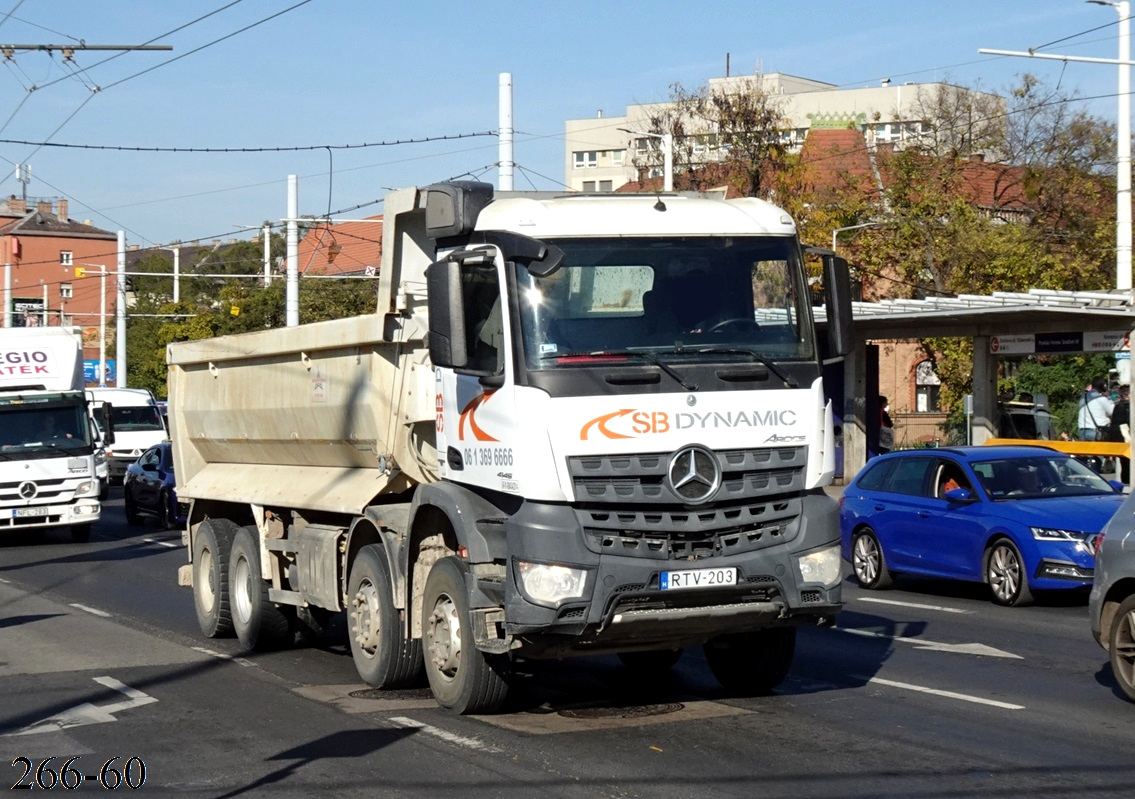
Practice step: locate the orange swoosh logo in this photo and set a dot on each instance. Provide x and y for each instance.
(600, 423)
(467, 413)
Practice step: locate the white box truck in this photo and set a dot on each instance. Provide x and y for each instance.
(49, 444)
(576, 424)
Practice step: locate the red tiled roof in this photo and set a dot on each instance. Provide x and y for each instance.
(342, 248)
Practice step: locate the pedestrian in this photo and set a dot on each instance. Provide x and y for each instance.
(1120, 429)
(886, 427)
(1094, 413)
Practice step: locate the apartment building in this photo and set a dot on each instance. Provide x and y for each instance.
(599, 152)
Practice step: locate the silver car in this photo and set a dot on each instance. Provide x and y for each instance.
(1112, 603)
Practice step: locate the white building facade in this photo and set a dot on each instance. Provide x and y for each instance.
(599, 152)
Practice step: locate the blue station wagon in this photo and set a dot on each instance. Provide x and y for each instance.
(1019, 518)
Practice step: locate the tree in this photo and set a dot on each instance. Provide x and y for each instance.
(730, 133)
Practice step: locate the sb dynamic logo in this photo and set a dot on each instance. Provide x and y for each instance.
(631, 423)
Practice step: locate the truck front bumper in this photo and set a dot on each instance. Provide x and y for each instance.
(28, 517)
(622, 604)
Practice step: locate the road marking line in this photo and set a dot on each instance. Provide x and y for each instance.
(221, 656)
(459, 740)
(941, 608)
(169, 544)
(92, 611)
(86, 713)
(934, 646)
(947, 694)
(6, 582)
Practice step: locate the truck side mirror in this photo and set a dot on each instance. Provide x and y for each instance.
(837, 288)
(447, 315)
(106, 424)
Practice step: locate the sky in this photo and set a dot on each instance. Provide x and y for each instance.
(421, 82)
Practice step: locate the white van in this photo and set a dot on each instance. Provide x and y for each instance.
(137, 422)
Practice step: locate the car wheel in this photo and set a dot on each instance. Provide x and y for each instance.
(1122, 647)
(132, 515)
(868, 562)
(165, 519)
(1005, 573)
(259, 623)
(751, 664)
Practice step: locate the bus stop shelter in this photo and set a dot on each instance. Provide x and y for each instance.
(1039, 321)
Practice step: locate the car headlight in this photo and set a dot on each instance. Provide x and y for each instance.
(1052, 534)
(545, 582)
(821, 566)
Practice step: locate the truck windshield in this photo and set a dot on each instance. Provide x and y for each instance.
(43, 430)
(729, 296)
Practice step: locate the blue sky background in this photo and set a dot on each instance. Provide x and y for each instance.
(352, 71)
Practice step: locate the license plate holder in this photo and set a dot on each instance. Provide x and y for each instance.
(716, 577)
(24, 513)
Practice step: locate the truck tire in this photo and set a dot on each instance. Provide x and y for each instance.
(212, 546)
(383, 656)
(752, 664)
(463, 679)
(258, 622)
(657, 661)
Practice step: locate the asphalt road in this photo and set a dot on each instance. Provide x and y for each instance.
(928, 690)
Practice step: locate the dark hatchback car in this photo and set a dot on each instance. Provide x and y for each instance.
(149, 489)
(1018, 518)
(1111, 606)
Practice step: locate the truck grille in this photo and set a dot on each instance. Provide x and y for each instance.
(45, 489)
(631, 479)
(680, 533)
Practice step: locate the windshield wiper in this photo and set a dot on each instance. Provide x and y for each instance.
(788, 381)
(649, 357)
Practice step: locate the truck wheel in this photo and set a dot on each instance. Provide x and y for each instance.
(258, 623)
(212, 545)
(383, 656)
(653, 662)
(463, 679)
(1122, 647)
(753, 663)
(80, 533)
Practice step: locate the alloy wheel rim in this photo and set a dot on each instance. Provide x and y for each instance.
(1004, 573)
(866, 559)
(1125, 649)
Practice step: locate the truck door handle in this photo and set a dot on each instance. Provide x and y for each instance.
(880, 507)
(924, 514)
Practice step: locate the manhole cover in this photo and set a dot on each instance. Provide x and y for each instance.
(621, 711)
(395, 693)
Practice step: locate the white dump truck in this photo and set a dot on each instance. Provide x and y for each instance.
(50, 449)
(576, 424)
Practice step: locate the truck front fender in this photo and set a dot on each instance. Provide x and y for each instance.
(476, 521)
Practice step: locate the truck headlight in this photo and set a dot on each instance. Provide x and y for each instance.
(821, 566)
(85, 488)
(545, 582)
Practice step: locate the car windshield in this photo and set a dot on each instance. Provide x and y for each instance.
(142, 417)
(735, 297)
(1039, 476)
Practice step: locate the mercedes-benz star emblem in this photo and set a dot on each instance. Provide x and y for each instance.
(28, 490)
(694, 474)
